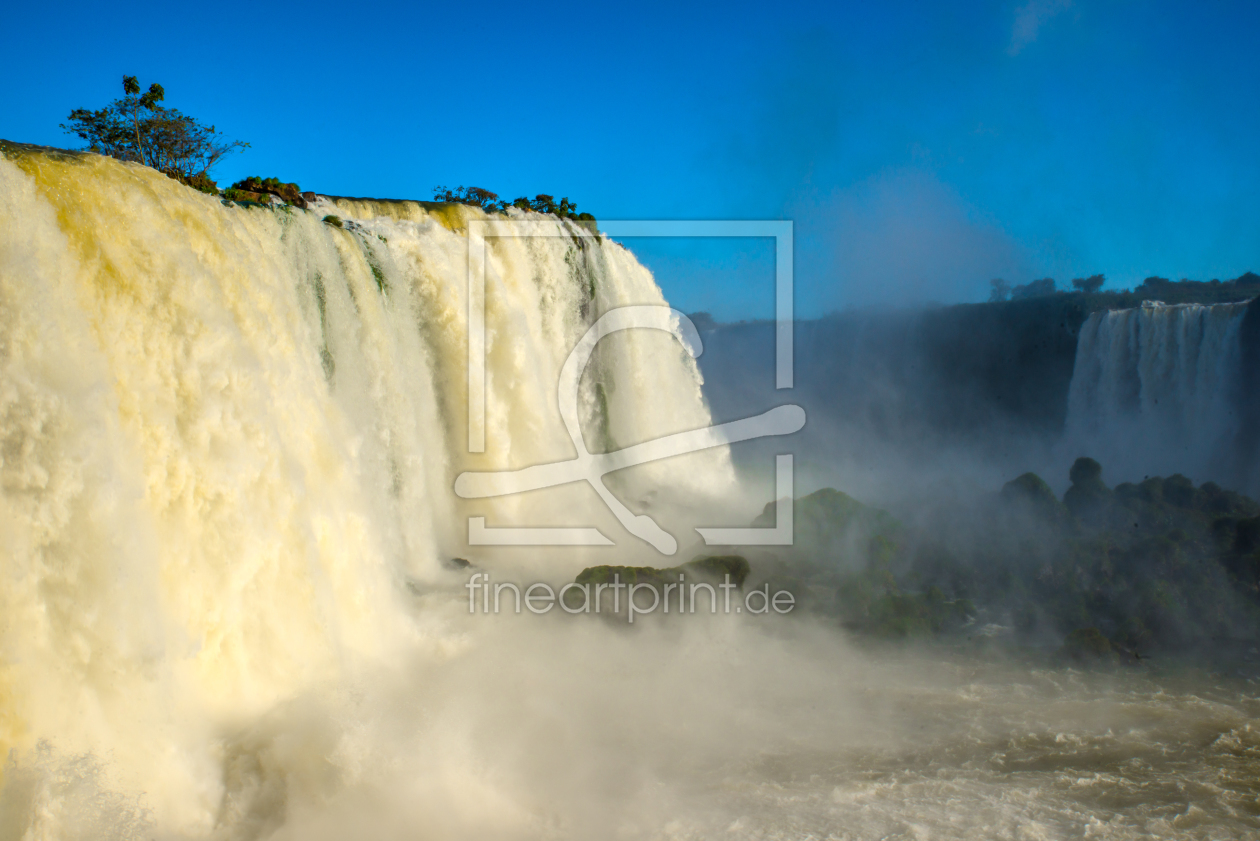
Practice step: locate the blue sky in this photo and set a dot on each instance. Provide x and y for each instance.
(920, 148)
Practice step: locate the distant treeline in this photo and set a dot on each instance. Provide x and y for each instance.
(491, 203)
(1154, 288)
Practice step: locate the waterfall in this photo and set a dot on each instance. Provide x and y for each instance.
(1153, 391)
(228, 438)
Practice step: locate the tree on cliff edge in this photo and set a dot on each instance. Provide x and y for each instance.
(1089, 285)
(137, 128)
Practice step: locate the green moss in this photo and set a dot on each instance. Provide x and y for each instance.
(606, 574)
(321, 302)
(379, 275)
(711, 568)
(605, 418)
(335, 221)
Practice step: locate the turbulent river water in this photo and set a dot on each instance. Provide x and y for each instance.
(228, 438)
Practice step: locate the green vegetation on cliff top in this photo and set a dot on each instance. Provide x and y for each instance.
(1088, 292)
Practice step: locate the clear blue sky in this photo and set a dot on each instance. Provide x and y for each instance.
(921, 148)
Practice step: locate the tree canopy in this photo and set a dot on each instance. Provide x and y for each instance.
(136, 127)
(1090, 284)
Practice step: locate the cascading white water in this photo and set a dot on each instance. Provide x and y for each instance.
(1152, 390)
(228, 438)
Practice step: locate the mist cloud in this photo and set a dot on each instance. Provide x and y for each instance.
(903, 237)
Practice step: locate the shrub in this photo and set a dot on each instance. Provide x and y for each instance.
(1088, 285)
(491, 203)
(474, 196)
(202, 182)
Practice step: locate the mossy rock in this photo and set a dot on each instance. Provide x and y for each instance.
(237, 195)
(607, 574)
(290, 193)
(714, 568)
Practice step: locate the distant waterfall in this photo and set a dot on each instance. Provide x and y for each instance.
(1154, 391)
